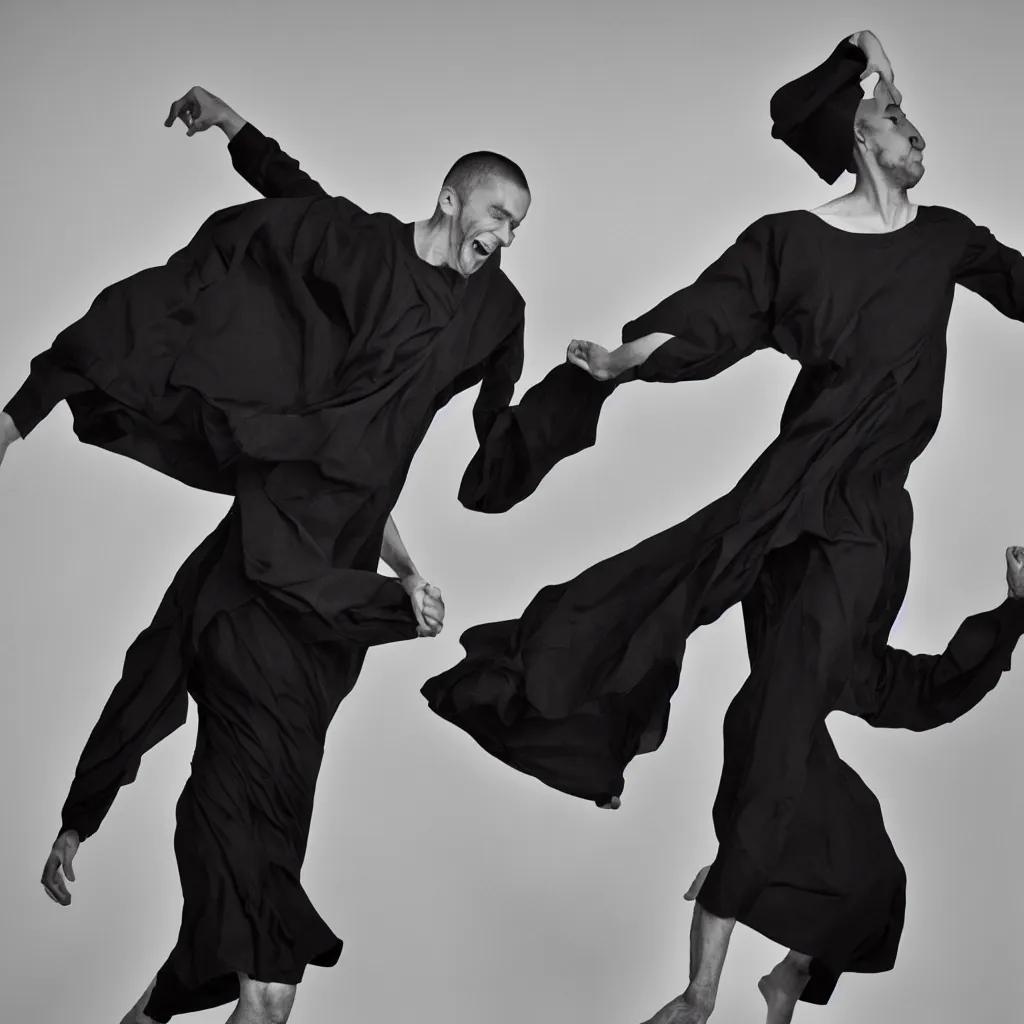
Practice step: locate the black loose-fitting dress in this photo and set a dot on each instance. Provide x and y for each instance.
(292, 355)
(814, 541)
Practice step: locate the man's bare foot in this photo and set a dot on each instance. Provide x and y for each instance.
(685, 1009)
(135, 1014)
(781, 989)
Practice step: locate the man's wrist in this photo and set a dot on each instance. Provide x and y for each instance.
(623, 358)
(231, 123)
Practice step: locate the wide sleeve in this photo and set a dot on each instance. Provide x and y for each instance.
(923, 691)
(520, 444)
(160, 361)
(992, 270)
(47, 385)
(725, 315)
(271, 171)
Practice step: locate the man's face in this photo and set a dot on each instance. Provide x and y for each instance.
(896, 145)
(487, 218)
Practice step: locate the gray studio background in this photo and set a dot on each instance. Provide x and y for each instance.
(465, 892)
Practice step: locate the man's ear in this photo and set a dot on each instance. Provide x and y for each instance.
(448, 201)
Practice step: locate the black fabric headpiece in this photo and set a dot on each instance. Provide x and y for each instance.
(814, 114)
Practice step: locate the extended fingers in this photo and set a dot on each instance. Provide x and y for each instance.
(189, 111)
(52, 881)
(66, 861)
(187, 105)
(174, 111)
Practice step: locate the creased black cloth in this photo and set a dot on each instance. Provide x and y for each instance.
(814, 541)
(814, 114)
(292, 356)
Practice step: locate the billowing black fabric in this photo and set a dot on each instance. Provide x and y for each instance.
(814, 114)
(292, 355)
(814, 540)
(265, 702)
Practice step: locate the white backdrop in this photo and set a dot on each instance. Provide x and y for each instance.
(464, 891)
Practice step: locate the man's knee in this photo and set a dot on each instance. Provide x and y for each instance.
(271, 999)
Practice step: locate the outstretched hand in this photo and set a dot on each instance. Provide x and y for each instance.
(61, 856)
(8, 434)
(427, 605)
(593, 358)
(1015, 571)
(878, 64)
(198, 110)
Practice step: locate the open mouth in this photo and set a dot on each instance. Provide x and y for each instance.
(480, 249)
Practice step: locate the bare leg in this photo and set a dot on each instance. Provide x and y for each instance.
(709, 942)
(262, 1002)
(135, 1014)
(781, 987)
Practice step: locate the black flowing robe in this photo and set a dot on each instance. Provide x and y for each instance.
(292, 355)
(814, 540)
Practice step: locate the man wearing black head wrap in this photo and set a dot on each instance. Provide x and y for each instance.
(814, 541)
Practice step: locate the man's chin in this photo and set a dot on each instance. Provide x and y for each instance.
(469, 265)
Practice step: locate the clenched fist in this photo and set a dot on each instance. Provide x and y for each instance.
(593, 359)
(427, 605)
(1015, 571)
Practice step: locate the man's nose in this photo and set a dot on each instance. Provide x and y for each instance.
(917, 141)
(505, 234)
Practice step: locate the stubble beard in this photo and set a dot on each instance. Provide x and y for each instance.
(902, 174)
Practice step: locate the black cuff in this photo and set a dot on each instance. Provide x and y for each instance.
(250, 143)
(24, 409)
(1010, 615)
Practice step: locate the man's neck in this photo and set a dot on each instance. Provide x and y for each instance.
(890, 204)
(432, 241)
(873, 203)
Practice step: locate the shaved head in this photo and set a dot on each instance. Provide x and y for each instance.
(482, 203)
(472, 169)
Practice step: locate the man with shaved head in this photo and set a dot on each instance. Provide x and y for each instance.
(292, 355)
(814, 542)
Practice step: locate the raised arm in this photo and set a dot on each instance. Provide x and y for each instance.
(992, 270)
(258, 159)
(48, 385)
